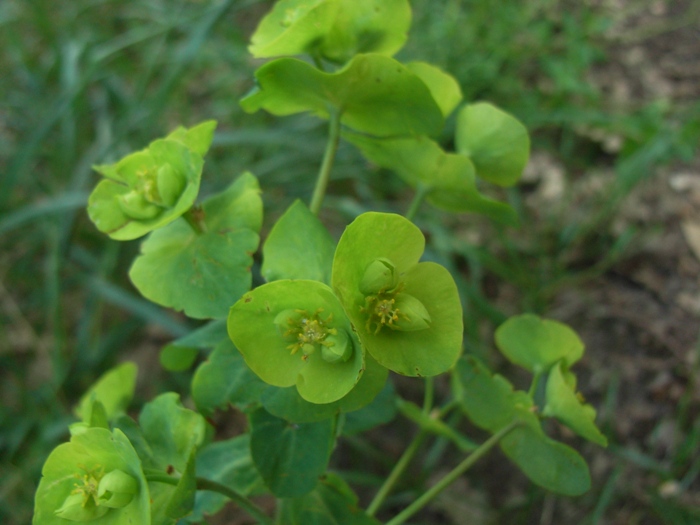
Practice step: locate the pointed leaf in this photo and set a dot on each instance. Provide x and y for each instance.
(197, 138)
(114, 390)
(182, 499)
(204, 273)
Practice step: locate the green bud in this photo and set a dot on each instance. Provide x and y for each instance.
(338, 347)
(412, 314)
(116, 489)
(135, 206)
(379, 276)
(170, 185)
(307, 349)
(77, 507)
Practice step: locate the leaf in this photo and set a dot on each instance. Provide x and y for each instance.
(442, 85)
(290, 457)
(536, 344)
(374, 94)
(331, 503)
(496, 142)
(382, 236)
(546, 462)
(229, 463)
(180, 354)
(336, 30)
(271, 347)
(449, 178)
(202, 274)
(225, 378)
(381, 410)
(114, 390)
(172, 431)
(298, 247)
(564, 404)
(197, 138)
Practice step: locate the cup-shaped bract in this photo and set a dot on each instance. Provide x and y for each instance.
(295, 332)
(333, 29)
(97, 476)
(152, 187)
(407, 314)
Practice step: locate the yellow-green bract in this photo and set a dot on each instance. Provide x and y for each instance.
(152, 187)
(412, 325)
(96, 477)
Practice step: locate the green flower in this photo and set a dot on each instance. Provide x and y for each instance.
(97, 476)
(407, 314)
(150, 188)
(295, 332)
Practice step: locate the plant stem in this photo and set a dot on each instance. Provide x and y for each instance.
(393, 477)
(324, 173)
(428, 395)
(421, 192)
(452, 475)
(213, 486)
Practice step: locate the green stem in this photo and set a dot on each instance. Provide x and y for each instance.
(535, 383)
(393, 477)
(213, 486)
(324, 173)
(452, 475)
(421, 192)
(428, 395)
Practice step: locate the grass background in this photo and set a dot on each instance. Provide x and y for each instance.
(608, 91)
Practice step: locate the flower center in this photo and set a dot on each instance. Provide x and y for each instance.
(309, 332)
(88, 484)
(382, 310)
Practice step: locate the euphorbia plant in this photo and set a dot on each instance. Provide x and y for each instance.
(307, 354)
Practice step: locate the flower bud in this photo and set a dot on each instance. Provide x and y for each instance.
(379, 276)
(116, 489)
(135, 206)
(170, 185)
(338, 347)
(412, 314)
(77, 507)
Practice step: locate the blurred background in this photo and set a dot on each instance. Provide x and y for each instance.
(609, 242)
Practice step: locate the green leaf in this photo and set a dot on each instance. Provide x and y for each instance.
(546, 462)
(537, 344)
(229, 463)
(146, 190)
(331, 503)
(424, 352)
(564, 404)
(298, 247)
(273, 349)
(497, 142)
(381, 410)
(448, 177)
(333, 29)
(197, 138)
(171, 430)
(488, 400)
(225, 378)
(114, 390)
(96, 451)
(442, 85)
(373, 93)
(289, 456)
(176, 358)
(204, 273)
(182, 499)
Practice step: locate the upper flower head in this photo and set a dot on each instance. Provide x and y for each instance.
(407, 314)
